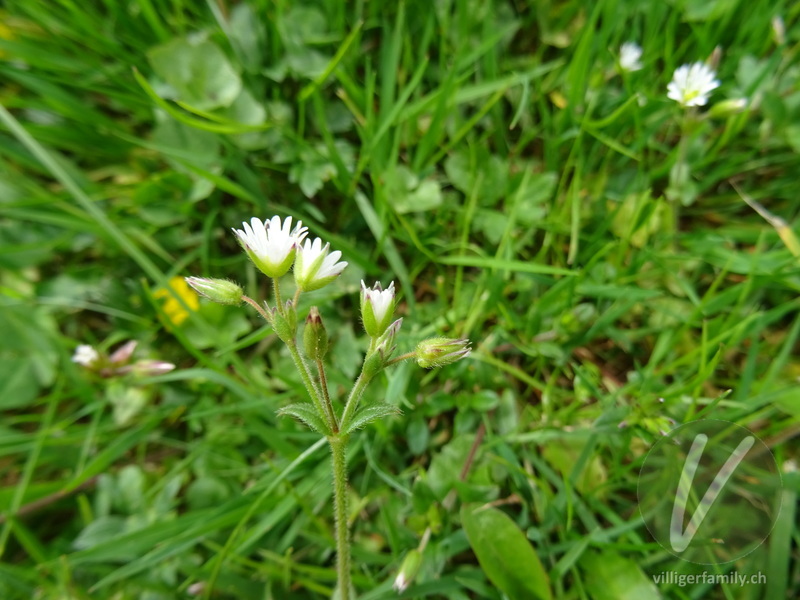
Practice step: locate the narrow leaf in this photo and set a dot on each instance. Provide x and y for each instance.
(308, 415)
(368, 414)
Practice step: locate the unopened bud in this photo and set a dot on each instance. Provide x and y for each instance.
(728, 108)
(437, 352)
(220, 291)
(151, 368)
(778, 30)
(382, 351)
(408, 570)
(315, 338)
(123, 354)
(284, 323)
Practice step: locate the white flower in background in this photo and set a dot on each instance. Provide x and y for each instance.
(85, 355)
(314, 267)
(271, 245)
(377, 308)
(629, 57)
(692, 84)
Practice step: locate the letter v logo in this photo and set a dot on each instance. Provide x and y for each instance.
(679, 538)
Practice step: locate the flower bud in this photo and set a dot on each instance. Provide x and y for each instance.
(220, 291)
(315, 338)
(437, 352)
(408, 570)
(383, 350)
(284, 323)
(778, 30)
(377, 308)
(123, 354)
(151, 368)
(728, 108)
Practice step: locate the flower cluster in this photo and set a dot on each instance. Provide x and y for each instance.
(118, 363)
(276, 246)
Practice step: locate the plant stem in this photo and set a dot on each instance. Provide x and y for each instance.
(277, 289)
(258, 307)
(338, 445)
(313, 391)
(353, 399)
(323, 384)
(401, 358)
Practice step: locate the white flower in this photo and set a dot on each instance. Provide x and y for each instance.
(314, 267)
(377, 308)
(270, 245)
(400, 583)
(85, 355)
(629, 55)
(692, 84)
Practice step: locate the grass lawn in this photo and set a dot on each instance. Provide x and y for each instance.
(622, 263)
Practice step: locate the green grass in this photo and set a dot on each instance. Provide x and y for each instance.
(484, 155)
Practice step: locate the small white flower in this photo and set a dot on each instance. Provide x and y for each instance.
(377, 308)
(85, 355)
(400, 583)
(692, 84)
(315, 268)
(270, 245)
(629, 55)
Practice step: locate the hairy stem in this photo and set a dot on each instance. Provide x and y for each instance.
(338, 447)
(276, 287)
(312, 388)
(257, 306)
(353, 399)
(323, 385)
(401, 358)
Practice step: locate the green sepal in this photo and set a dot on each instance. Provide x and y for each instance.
(268, 268)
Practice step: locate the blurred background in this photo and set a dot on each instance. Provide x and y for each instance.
(621, 264)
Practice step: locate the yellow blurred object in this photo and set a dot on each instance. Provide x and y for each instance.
(174, 310)
(558, 99)
(6, 32)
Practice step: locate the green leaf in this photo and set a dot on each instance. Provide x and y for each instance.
(198, 72)
(408, 193)
(505, 555)
(206, 492)
(609, 576)
(100, 530)
(306, 413)
(368, 414)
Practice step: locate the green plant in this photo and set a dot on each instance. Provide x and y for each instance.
(276, 247)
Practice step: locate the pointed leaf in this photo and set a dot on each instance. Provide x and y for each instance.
(609, 575)
(308, 415)
(368, 414)
(505, 554)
